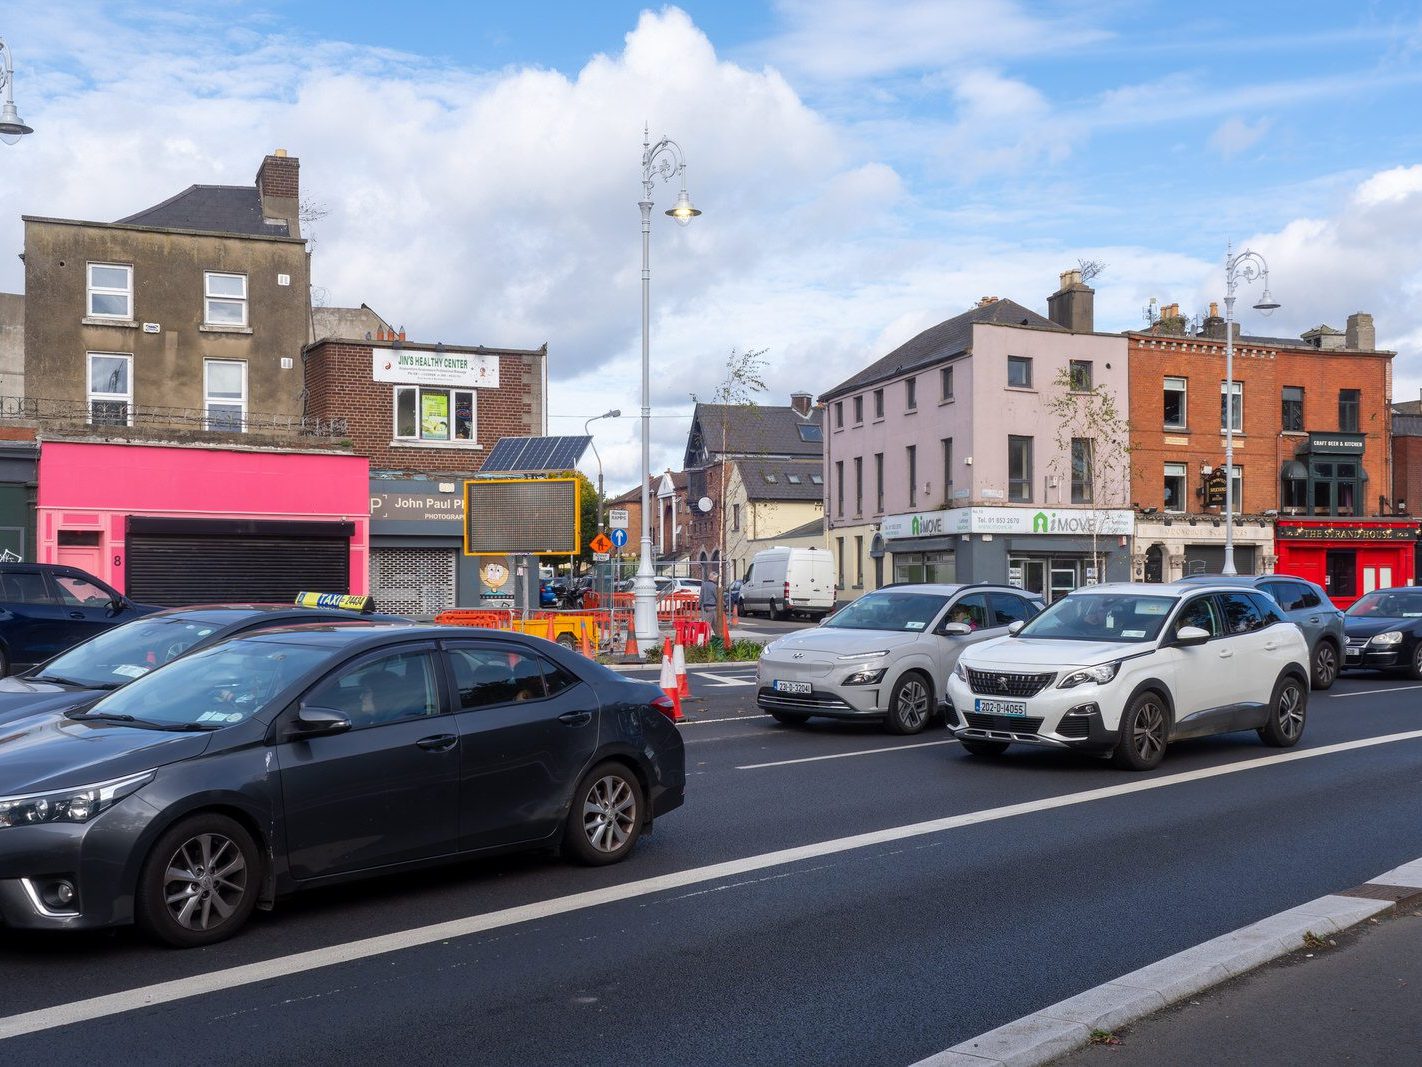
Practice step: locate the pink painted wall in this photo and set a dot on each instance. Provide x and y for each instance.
(95, 487)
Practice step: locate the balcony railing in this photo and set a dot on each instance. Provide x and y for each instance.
(100, 416)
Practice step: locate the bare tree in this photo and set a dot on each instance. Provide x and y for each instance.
(1090, 268)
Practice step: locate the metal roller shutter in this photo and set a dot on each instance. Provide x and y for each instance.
(1209, 559)
(413, 581)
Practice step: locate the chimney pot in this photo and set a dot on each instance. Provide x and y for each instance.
(801, 403)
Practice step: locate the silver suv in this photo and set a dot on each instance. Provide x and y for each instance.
(886, 656)
(1305, 604)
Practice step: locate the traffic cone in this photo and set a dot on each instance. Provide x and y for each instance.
(683, 683)
(668, 684)
(725, 631)
(629, 647)
(583, 638)
(667, 650)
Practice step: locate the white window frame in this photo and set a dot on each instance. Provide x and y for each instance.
(1181, 471)
(105, 290)
(208, 400)
(126, 398)
(434, 442)
(1238, 488)
(1184, 391)
(1239, 392)
(208, 296)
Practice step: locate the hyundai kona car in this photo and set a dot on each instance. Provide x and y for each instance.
(1123, 670)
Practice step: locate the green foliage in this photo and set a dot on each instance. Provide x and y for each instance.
(714, 652)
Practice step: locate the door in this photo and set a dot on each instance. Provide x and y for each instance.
(1063, 579)
(87, 607)
(1300, 605)
(527, 730)
(1341, 573)
(1254, 642)
(33, 625)
(1200, 685)
(973, 611)
(1034, 574)
(387, 790)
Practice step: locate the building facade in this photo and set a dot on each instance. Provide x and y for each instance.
(944, 460)
(766, 498)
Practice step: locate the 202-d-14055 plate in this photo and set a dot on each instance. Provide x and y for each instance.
(999, 707)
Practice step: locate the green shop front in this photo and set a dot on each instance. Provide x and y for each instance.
(18, 485)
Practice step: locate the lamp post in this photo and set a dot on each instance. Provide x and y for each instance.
(665, 159)
(11, 126)
(615, 413)
(1244, 267)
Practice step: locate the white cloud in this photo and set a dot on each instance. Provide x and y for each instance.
(1235, 135)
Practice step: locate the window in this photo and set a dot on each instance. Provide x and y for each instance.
(25, 587)
(839, 414)
(840, 554)
(1200, 613)
(859, 485)
(1240, 614)
(858, 410)
(1175, 487)
(770, 479)
(1009, 608)
(970, 610)
(380, 691)
(1349, 400)
(1293, 418)
(486, 677)
(1019, 469)
(810, 432)
(110, 291)
(1175, 403)
(1081, 489)
(1234, 412)
(878, 403)
(224, 299)
(817, 479)
(225, 394)
(793, 479)
(80, 592)
(839, 485)
(1019, 372)
(911, 394)
(945, 383)
(912, 452)
(878, 483)
(947, 444)
(1237, 488)
(1080, 372)
(424, 414)
(858, 562)
(735, 516)
(110, 389)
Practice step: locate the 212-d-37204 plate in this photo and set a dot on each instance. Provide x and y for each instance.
(999, 707)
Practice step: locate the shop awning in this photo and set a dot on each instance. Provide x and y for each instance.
(1294, 471)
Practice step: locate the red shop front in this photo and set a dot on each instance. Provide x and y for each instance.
(1348, 557)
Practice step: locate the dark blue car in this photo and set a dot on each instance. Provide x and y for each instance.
(47, 607)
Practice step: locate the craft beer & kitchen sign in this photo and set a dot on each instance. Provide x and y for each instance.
(461, 370)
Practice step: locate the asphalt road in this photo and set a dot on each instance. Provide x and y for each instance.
(1039, 876)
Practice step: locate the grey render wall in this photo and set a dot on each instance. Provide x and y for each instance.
(12, 344)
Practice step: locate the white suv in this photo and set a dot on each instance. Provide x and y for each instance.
(1122, 670)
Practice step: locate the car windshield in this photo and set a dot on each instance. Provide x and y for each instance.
(118, 656)
(1101, 617)
(1389, 604)
(889, 610)
(218, 686)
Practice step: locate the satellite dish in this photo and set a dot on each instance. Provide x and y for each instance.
(704, 505)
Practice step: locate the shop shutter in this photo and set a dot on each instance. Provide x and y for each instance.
(413, 581)
(1209, 559)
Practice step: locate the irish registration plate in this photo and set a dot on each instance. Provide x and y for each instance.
(999, 707)
(802, 688)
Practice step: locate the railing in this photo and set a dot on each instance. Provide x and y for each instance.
(119, 415)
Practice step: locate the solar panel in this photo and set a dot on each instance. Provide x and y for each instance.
(534, 455)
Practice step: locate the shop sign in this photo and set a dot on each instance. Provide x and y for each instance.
(1350, 443)
(417, 507)
(925, 524)
(992, 520)
(465, 370)
(1216, 488)
(1346, 532)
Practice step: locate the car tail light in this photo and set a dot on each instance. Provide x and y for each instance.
(786, 597)
(663, 703)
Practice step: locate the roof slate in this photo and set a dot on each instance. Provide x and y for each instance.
(948, 338)
(213, 209)
(753, 429)
(753, 477)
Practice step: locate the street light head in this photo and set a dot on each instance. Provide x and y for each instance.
(615, 413)
(684, 211)
(1267, 303)
(11, 128)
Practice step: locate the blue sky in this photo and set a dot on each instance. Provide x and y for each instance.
(866, 169)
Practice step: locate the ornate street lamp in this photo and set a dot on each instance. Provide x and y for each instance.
(1244, 267)
(11, 126)
(665, 159)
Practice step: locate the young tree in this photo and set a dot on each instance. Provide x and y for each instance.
(1093, 453)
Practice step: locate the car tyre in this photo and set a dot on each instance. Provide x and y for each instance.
(790, 718)
(4, 664)
(1144, 733)
(1415, 671)
(1288, 712)
(1325, 665)
(779, 614)
(983, 748)
(566, 640)
(910, 705)
(606, 818)
(202, 865)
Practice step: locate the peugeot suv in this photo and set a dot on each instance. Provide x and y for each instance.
(1123, 670)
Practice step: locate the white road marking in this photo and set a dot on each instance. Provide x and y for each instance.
(730, 718)
(1374, 692)
(715, 681)
(845, 755)
(127, 1000)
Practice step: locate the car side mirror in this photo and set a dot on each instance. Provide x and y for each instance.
(312, 722)
(1014, 628)
(1187, 636)
(957, 629)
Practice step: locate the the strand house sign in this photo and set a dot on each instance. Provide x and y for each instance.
(406, 366)
(1072, 522)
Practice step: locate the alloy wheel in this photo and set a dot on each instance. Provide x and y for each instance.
(205, 881)
(1290, 712)
(1325, 666)
(1148, 731)
(913, 704)
(609, 813)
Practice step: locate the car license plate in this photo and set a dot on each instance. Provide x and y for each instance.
(802, 688)
(1000, 707)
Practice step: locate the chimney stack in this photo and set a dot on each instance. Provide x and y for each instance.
(1073, 305)
(279, 186)
(1360, 335)
(802, 403)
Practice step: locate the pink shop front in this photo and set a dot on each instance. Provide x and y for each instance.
(175, 525)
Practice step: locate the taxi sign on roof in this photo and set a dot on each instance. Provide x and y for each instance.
(344, 601)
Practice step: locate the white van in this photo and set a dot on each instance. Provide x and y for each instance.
(783, 581)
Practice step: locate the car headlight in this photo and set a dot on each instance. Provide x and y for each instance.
(69, 805)
(1392, 637)
(866, 677)
(960, 671)
(1100, 675)
(865, 655)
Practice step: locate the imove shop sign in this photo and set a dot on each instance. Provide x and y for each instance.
(466, 370)
(1070, 522)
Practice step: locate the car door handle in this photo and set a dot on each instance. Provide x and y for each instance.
(1226, 653)
(576, 718)
(76, 614)
(438, 743)
(1271, 646)
(1313, 619)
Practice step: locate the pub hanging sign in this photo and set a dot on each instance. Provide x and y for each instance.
(1345, 532)
(1216, 488)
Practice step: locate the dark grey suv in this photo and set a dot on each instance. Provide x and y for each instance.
(1306, 604)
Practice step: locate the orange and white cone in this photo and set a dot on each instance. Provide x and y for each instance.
(683, 683)
(669, 687)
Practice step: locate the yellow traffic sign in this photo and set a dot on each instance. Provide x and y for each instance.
(600, 543)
